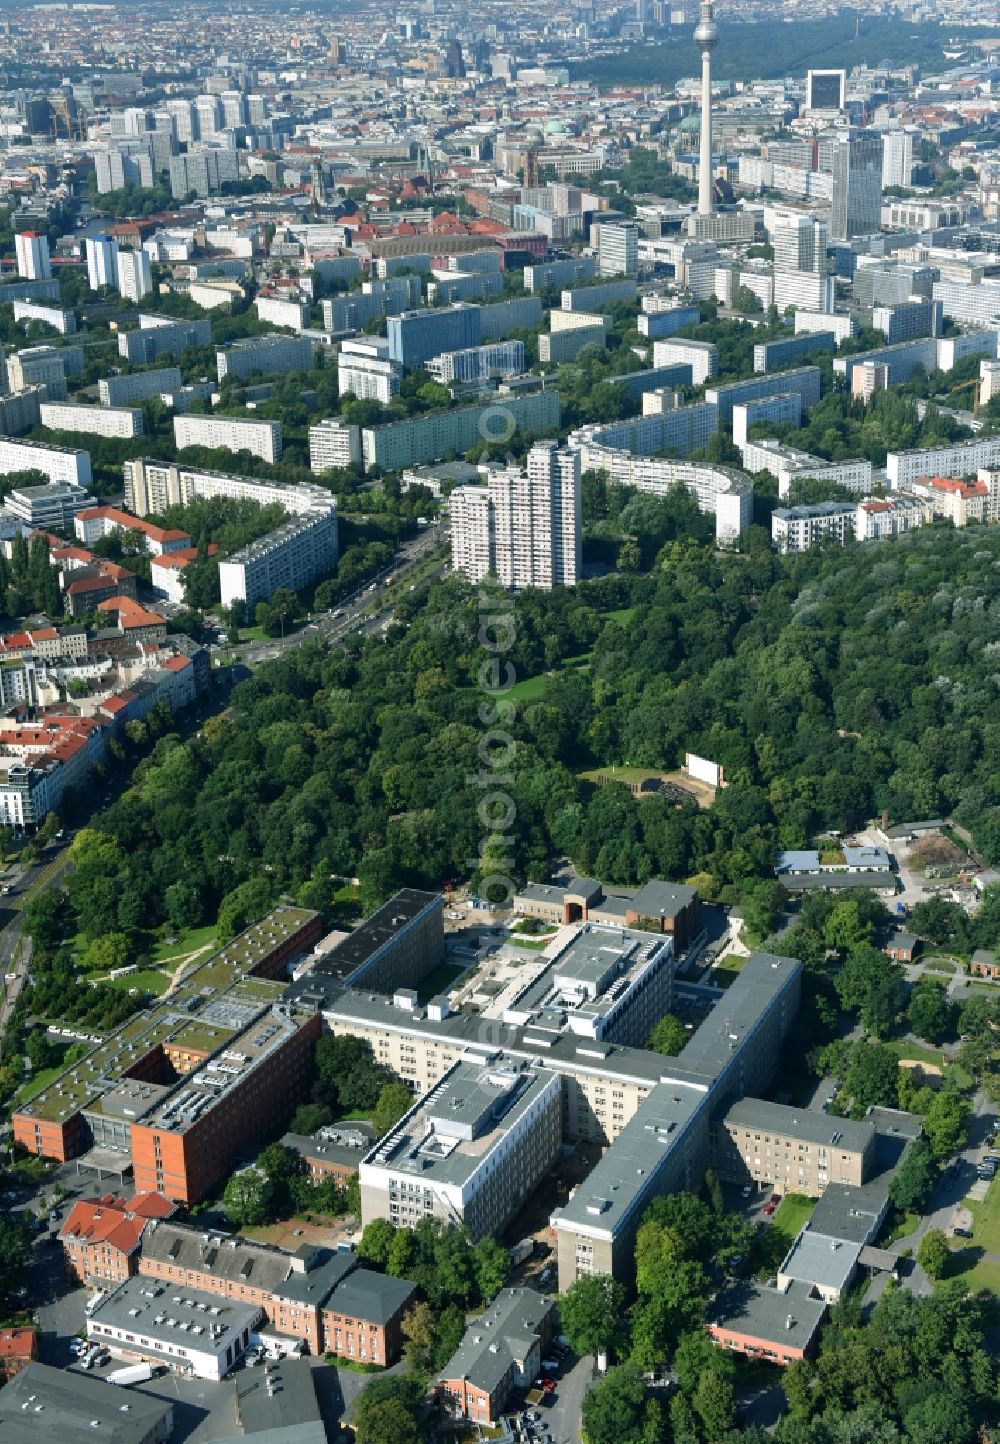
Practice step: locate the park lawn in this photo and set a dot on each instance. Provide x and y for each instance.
(938, 965)
(986, 1220)
(147, 980)
(347, 902)
(983, 1274)
(775, 1238)
(527, 691)
(618, 774)
(623, 615)
(188, 942)
(917, 1052)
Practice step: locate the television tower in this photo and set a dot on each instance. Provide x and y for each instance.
(706, 37)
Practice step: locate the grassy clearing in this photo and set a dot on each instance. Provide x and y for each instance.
(530, 690)
(187, 942)
(975, 1272)
(917, 1053)
(939, 965)
(618, 774)
(623, 615)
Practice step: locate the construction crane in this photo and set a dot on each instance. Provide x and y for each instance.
(976, 384)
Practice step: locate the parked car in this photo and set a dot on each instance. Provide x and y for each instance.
(746, 1190)
(962, 1232)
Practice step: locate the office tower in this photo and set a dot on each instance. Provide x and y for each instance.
(416, 336)
(799, 244)
(453, 60)
(857, 185)
(208, 115)
(102, 262)
(184, 118)
(32, 249)
(897, 157)
(524, 526)
(234, 109)
(825, 89)
(257, 109)
(135, 275)
(618, 249)
(706, 37)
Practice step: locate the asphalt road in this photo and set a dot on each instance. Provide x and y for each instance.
(15, 951)
(365, 612)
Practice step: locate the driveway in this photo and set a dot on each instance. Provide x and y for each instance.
(562, 1417)
(952, 1187)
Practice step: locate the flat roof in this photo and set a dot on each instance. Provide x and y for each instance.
(625, 1175)
(559, 1050)
(280, 1395)
(593, 973)
(820, 1259)
(345, 1146)
(805, 1123)
(787, 1317)
(205, 1086)
(845, 1211)
(65, 1403)
(830, 879)
(215, 1001)
(762, 979)
(168, 1312)
(376, 932)
(455, 1126)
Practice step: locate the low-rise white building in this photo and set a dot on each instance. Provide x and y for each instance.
(203, 1335)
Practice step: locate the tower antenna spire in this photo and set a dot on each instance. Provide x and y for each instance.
(706, 37)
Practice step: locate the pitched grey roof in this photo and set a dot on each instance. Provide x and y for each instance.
(499, 1340)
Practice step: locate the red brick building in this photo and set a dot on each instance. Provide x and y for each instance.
(18, 1348)
(214, 1082)
(501, 1352)
(101, 1236)
(315, 1295)
(778, 1326)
